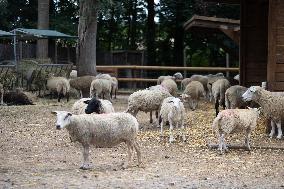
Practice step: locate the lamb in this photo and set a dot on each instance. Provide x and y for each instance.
(176, 76)
(272, 105)
(114, 86)
(60, 85)
(192, 93)
(92, 105)
(233, 97)
(101, 88)
(235, 120)
(82, 84)
(101, 130)
(171, 86)
(146, 101)
(172, 110)
(218, 91)
(2, 93)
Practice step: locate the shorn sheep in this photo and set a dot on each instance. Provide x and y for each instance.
(235, 121)
(192, 93)
(101, 130)
(272, 106)
(101, 88)
(92, 105)
(59, 85)
(82, 84)
(233, 97)
(218, 91)
(173, 111)
(146, 101)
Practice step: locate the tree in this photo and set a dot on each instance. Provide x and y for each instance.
(87, 32)
(43, 23)
(151, 48)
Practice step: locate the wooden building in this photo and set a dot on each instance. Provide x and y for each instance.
(261, 42)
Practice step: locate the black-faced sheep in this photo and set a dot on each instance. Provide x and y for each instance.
(235, 121)
(101, 130)
(17, 97)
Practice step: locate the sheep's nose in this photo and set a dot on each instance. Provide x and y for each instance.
(58, 127)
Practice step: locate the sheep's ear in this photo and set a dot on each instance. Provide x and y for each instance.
(69, 114)
(86, 101)
(54, 112)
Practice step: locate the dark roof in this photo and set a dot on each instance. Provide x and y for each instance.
(40, 33)
(4, 34)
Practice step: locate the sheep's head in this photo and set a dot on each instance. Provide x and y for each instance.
(63, 119)
(250, 94)
(94, 105)
(176, 102)
(178, 75)
(185, 97)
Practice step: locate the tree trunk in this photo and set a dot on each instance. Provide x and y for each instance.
(43, 23)
(151, 50)
(179, 34)
(87, 31)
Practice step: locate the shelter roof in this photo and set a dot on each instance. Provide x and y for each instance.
(40, 33)
(4, 34)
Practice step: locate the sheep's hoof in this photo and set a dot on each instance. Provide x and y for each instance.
(85, 167)
(279, 137)
(270, 135)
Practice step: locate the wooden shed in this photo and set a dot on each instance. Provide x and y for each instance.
(261, 42)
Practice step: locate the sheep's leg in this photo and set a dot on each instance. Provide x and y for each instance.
(247, 139)
(272, 132)
(138, 152)
(222, 144)
(115, 93)
(171, 131)
(130, 153)
(161, 125)
(81, 94)
(86, 164)
(217, 106)
(279, 136)
(151, 118)
(183, 130)
(2, 96)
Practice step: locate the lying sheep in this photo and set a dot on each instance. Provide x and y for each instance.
(235, 120)
(92, 105)
(233, 97)
(101, 130)
(172, 110)
(170, 85)
(59, 85)
(114, 86)
(17, 97)
(192, 93)
(176, 76)
(82, 84)
(146, 101)
(101, 88)
(272, 106)
(218, 91)
(2, 94)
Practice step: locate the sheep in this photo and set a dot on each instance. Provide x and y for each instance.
(82, 84)
(176, 76)
(272, 105)
(192, 93)
(211, 80)
(184, 83)
(173, 111)
(170, 85)
(237, 77)
(60, 85)
(92, 105)
(233, 97)
(2, 93)
(203, 80)
(73, 74)
(146, 101)
(218, 91)
(235, 121)
(114, 86)
(17, 97)
(101, 130)
(101, 88)
(104, 76)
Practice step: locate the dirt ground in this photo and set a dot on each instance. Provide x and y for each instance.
(33, 154)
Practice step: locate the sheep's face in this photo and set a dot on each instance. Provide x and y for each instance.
(185, 97)
(94, 105)
(250, 93)
(63, 119)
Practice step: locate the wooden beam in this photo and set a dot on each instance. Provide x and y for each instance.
(234, 35)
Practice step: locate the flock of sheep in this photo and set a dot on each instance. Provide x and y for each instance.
(92, 121)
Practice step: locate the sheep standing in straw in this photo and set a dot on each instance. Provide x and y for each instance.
(101, 130)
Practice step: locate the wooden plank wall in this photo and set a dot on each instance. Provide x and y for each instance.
(275, 70)
(253, 44)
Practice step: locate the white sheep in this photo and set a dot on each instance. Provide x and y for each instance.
(192, 93)
(176, 76)
(235, 121)
(101, 88)
(170, 85)
(219, 88)
(271, 104)
(233, 97)
(146, 101)
(59, 85)
(237, 77)
(82, 84)
(2, 93)
(101, 130)
(73, 74)
(98, 106)
(173, 111)
(104, 76)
